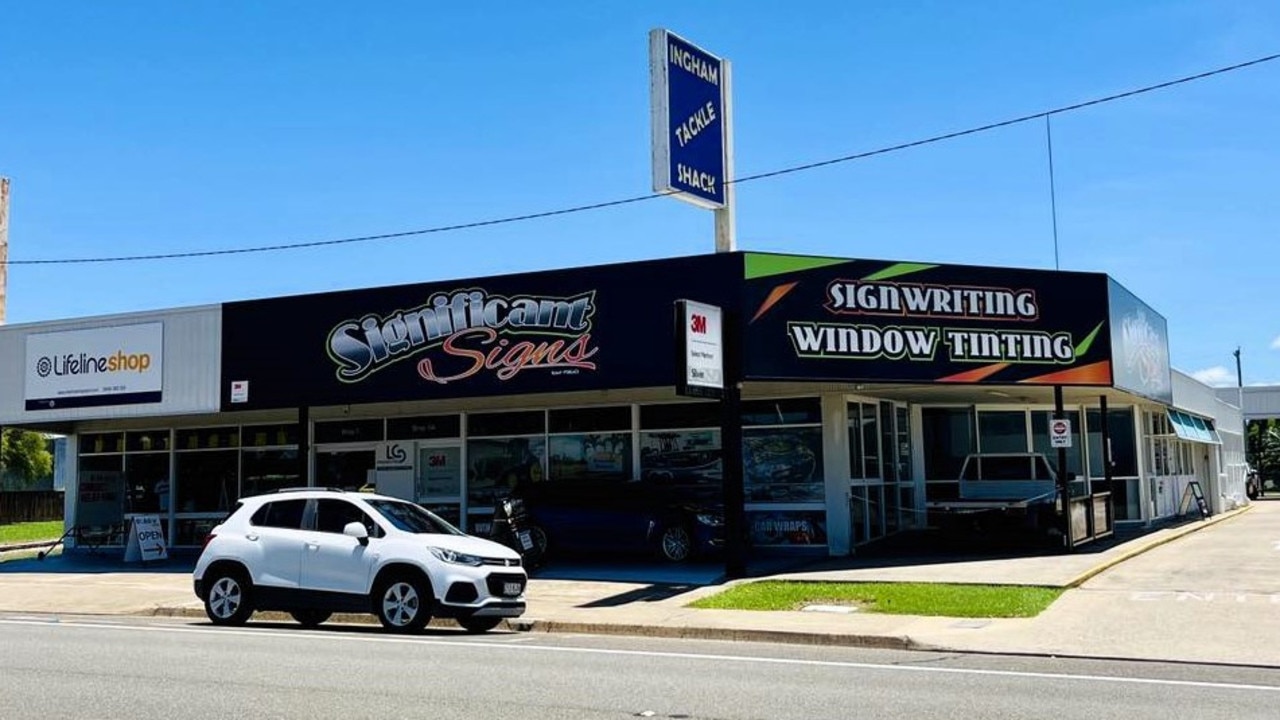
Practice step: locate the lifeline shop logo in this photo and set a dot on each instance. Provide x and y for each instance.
(86, 364)
(473, 332)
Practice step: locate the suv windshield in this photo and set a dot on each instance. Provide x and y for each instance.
(411, 518)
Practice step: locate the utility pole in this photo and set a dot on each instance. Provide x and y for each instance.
(4, 247)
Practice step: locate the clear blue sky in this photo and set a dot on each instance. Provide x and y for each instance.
(149, 127)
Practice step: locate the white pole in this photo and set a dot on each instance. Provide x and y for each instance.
(4, 247)
(726, 240)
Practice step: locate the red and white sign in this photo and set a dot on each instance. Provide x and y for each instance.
(1059, 433)
(704, 346)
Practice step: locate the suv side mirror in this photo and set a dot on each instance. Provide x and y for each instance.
(357, 531)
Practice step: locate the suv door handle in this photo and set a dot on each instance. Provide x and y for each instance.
(251, 536)
(312, 545)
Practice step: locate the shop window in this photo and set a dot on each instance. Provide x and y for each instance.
(888, 466)
(1124, 447)
(219, 438)
(949, 438)
(495, 466)
(206, 482)
(864, 441)
(1002, 431)
(506, 423)
(347, 431)
(680, 415)
(147, 481)
(904, 445)
(281, 435)
(783, 464)
(346, 469)
(149, 441)
(787, 527)
(425, 427)
(266, 470)
(603, 456)
(682, 457)
(582, 420)
(793, 411)
(93, 443)
(1041, 443)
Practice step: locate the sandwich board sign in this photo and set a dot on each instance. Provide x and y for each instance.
(146, 540)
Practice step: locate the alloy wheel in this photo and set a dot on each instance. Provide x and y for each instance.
(225, 597)
(400, 604)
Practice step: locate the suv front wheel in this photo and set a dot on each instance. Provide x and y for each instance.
(403, 604)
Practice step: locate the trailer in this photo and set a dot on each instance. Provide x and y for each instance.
(1009, 492)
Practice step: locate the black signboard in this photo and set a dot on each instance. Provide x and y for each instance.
(881, 321)
(582, 329)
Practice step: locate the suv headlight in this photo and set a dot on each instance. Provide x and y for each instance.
(711, 520)
(457, 558)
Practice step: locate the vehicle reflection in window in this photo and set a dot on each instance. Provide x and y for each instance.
(411, 518)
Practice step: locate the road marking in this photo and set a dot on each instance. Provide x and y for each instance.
(65, 624)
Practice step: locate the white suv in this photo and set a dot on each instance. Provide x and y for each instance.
(312, 552)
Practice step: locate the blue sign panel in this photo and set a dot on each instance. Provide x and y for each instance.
(1139, 346)
(689, 123)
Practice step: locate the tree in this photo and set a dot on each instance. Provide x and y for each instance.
(25, 455)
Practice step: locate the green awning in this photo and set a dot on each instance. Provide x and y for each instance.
(1193, 428)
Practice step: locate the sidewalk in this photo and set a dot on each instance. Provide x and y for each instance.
(639, 608)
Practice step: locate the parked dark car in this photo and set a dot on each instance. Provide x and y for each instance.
(640, 517)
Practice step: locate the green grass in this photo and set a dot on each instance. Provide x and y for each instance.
(30, 532)
(968, 601)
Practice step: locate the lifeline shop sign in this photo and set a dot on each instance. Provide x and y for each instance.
(119, 365)
(689, 101)
(701, 349)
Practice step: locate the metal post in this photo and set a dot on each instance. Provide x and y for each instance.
(304, 445)
(735, 520)
(1064, 487)
(4, 248)
(726, 237)
(1108, 472)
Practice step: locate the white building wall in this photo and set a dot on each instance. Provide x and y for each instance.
(1226, 464)
(192, 367)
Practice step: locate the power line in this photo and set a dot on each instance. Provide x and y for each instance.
(641, 198)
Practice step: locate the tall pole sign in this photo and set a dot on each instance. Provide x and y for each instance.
(692, 128)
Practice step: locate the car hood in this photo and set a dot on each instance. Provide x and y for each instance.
(471, 545)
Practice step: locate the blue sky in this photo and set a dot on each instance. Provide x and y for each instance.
(150, 127)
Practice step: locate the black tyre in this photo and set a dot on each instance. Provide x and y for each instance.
(310, 618)
(403, 604)
(228, 600)
(479, 624)
(675, 544)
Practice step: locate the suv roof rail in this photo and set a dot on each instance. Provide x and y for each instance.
(305, 489)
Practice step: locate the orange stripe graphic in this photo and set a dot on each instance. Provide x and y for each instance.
(977, 375)
(775, 295)
(1098, 373)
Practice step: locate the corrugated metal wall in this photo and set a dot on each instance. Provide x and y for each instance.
(192, 367)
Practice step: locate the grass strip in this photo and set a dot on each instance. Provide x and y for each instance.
(936, 599)
(30, 532)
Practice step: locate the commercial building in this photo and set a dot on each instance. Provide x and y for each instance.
(866, 384)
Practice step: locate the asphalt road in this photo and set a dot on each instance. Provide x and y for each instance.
(145, 669)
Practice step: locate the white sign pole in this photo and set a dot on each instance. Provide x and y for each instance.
(726, 232)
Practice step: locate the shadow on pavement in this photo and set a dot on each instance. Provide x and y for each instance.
(94, 562)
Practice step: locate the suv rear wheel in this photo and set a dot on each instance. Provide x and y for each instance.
(403, 604)
(228, 600)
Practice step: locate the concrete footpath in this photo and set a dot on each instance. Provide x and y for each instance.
(1202, 591)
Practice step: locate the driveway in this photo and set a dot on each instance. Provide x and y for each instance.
(1211, 596)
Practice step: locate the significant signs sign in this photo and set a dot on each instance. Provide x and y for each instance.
(100, 366)
(573, 330)
(877, 321)
(689, 100)
(701, 342)
(1140, 346)
(1059, 433)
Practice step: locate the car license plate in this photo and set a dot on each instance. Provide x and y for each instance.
(511, 588)
(526, 542)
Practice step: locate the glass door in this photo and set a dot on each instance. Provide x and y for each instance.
(349, 467)
(438, 481)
